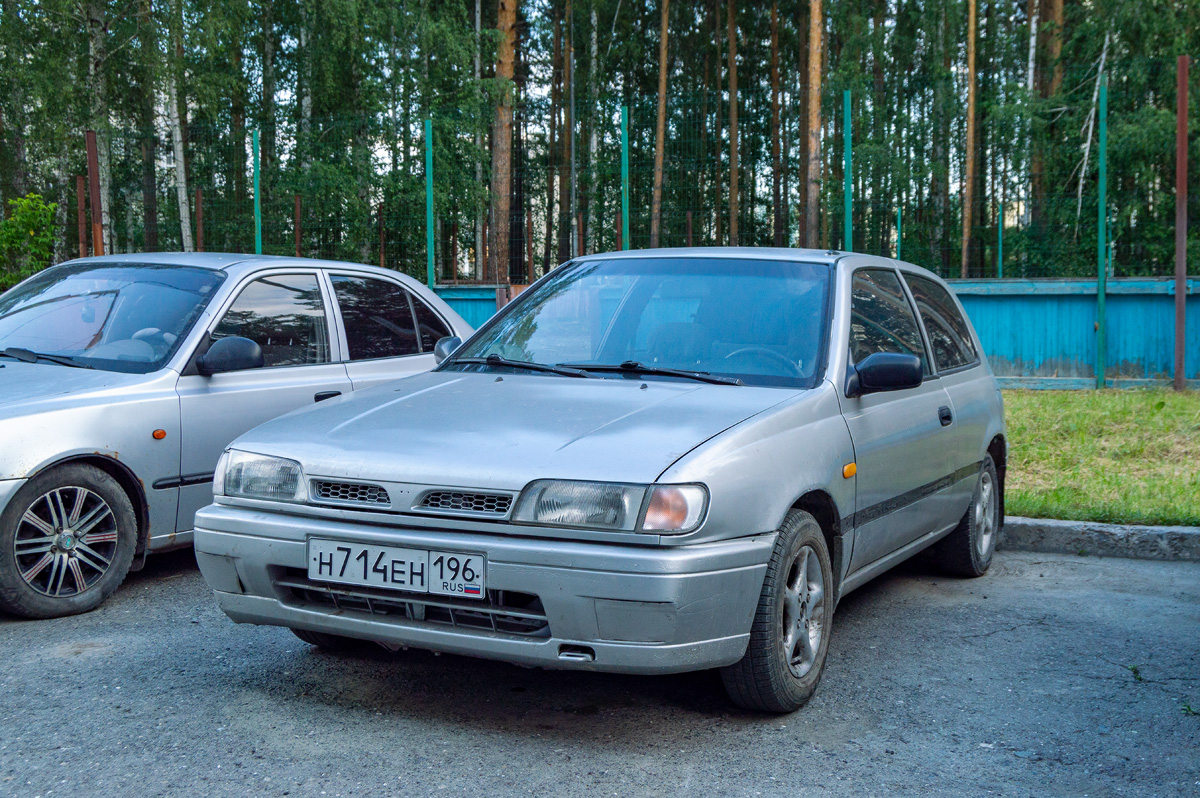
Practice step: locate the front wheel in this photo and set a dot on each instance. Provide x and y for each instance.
(66, 542)
(790, 635)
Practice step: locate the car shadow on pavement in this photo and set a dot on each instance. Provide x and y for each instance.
(497, 697)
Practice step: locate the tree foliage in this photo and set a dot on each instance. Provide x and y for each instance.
(339, 91)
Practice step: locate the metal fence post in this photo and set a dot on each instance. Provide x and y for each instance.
(848, 243)
(624, 177)
(899, 234)
(257, 202)
(1000, 243)
(1181, 198)
(1102, 239)
(93, 169)
(429, 275)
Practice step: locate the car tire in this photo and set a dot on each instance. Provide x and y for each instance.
(968, 550)
(328, 642)
(67, 539)
(789, 637)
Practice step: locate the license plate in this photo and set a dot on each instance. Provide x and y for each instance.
(443, 573)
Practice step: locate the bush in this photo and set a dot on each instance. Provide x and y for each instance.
(26, 239)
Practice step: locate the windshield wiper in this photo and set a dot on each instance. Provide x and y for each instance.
(634, 367)
(27, 356)
(497, 360)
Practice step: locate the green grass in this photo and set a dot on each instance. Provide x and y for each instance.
(1121, 456)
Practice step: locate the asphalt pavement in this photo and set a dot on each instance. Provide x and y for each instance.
(1052, 675)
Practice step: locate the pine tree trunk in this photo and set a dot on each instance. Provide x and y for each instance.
(969, 167)
(501, 183)
(659, 129)
(716, 202)
(776, 166)
(148, 57)
(97, 23)
(478, 270)
(731, 21)
(816, 30)
(267, 113)
(593, 190)
(173, 104)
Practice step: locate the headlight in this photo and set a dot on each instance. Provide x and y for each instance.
(607, 505)
(256, 476)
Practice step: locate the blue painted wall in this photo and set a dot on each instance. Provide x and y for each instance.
(1042, 333)
(1036, 333)
(475, 303)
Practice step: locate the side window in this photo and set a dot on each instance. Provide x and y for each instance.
(430, 326)
(285, 315)
(948, 333)
(377, 317)
(881, 318)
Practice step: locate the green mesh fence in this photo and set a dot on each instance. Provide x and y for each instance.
(360, 182)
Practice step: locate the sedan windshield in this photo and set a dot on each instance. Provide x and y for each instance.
(721, 320)
(107, 316)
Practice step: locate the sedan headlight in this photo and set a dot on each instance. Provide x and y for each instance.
(257, 476)
(614, 506)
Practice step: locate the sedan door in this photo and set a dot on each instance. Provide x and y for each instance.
(287, 314)
(389, 332)
(902, 451)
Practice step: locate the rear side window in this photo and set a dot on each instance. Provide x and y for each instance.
(949, 336)
(377, 316)
(285, 315)
(430, 326)
(882, 319)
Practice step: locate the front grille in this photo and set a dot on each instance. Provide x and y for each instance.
(504, 611)
(463, 502)
(350, 493)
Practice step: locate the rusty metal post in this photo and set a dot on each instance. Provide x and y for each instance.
(93, 164)
(296, 225)
(80, 190)
(1181, 172)
(199, 220)
(579, 235)
(689, 224)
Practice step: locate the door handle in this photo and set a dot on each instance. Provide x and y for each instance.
(321, 396)
(945, 416)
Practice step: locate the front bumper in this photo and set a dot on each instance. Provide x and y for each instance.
(620, 608)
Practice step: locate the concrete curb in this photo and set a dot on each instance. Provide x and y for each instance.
(1101, 540)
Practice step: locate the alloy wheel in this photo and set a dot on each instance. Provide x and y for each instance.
(803, 614)
(66, 540)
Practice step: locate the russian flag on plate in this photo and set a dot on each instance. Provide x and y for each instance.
(471, 590)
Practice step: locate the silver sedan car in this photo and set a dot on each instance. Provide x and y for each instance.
(123, 378)
(650, 462)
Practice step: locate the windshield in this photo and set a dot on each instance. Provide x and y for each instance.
(759, 321)
(108, 316)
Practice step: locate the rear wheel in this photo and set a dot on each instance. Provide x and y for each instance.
(66, 542)
(790, 635)
(328, 642)
(968, 550)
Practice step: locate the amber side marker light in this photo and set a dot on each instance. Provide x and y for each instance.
(159, 434)
(849, 470)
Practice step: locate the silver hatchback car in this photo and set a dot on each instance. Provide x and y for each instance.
(123, 378)
(650, 462)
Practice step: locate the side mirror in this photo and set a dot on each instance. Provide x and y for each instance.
(883, 371)
(230, 354)
(445, 347)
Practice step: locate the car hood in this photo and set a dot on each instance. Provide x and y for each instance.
(26, 384)
(481, 430)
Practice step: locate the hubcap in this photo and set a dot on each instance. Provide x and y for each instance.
(985, 516)
(66, 540)
(803, 611)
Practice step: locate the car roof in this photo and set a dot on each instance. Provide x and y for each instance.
(830, 257)
(233, 264)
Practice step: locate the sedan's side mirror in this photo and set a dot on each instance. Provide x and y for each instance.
(230, 354)
(445, 347)
(883, 371)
